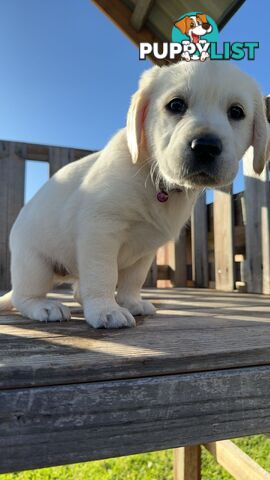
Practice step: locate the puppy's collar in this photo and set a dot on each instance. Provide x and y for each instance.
(163, 193)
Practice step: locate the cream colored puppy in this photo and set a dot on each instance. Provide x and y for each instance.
(101, 219)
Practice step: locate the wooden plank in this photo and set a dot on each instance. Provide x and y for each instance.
(152, 276)
(223, 241)
(173, 256)
(266, 240)
(163, 14)
(59, 157)
(199, 243)
(165, 273)
(236, 462)
(140, 13)
(194, 330)
(42, 152)
(11, 201)
(179, 262)
(120, 14)
(32, 151)
(75, 423)
(165, 265)
(257, 201)
(187, 463)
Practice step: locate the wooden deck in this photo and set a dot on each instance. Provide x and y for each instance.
(197, 372)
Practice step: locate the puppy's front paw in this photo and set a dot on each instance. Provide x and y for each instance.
(204, 56)
(186, 56)
(138, 307)
(103, 314)
(43, 310)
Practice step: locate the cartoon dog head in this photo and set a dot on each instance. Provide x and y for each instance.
(194, 26)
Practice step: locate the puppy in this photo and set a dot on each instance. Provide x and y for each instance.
(194, 26)
(101, 219)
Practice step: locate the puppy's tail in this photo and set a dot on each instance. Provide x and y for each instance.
(5, 301)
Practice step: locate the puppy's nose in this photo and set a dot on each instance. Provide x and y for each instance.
(207, 146)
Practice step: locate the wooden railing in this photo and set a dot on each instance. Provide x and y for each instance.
(226, 245)
(12, 175)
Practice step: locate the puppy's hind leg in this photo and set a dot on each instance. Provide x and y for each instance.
(32, 278)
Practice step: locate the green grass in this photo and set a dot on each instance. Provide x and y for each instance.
(147, 466)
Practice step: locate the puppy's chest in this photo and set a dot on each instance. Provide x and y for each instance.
(158, 224)
(142, 239)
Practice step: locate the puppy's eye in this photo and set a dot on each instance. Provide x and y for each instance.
(177, 105)
(236, 112)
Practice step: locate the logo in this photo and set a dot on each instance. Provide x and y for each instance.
(195, 31)
(195, 37)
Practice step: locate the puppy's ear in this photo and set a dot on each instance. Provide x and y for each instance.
(261, 134)
(137, 115)
(202, 17)
(182, 25)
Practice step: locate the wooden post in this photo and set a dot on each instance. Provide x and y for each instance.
(236, 462)
(187, 463)
(59, 157)
(151, 279)
(199, 243)
(11, 201)
(179, 261)
(257, 198)
(223, 240)
(266, 240)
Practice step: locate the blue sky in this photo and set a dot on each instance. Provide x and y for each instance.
(68, 73)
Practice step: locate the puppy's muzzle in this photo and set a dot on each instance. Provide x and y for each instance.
(206, 26)
(206, 148)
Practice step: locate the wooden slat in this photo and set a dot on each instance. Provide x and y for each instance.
(199, 243)
(236, 462)
(11, 201)
(172, 257)
(179, 261)
(152, 276)
(266, 242)
(166, 263)
(165, 273)
(257, 202)
(223, 241)
(59, 157)
(140, 13)
(194, 330)
(163, 14)
(74, 423)
(32, 151)
(187, 463)
(120, 14)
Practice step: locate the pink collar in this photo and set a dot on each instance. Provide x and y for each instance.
(163, 194)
